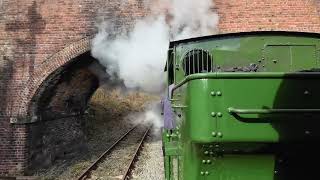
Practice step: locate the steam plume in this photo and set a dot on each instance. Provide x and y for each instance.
(191, 18)
(138, 58)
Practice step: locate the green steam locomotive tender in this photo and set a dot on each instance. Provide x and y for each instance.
(243, 106)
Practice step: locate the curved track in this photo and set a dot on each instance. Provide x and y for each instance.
(134, 158)
(120, 144)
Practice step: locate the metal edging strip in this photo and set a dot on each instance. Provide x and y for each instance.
(245, 75)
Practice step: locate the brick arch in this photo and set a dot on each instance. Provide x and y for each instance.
(59, 59)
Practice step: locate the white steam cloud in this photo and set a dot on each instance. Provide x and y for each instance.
(149, 116)
(138, 58)
(191, 18)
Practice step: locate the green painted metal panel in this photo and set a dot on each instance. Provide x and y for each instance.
(245, 93)
(205, 162)
(239, 123)
(191, 161)
(242, 51)
(251, 93)
(303, 57)
(199, 121)
(292, 58)
(268, 94)
(241, 167)
(278, 58)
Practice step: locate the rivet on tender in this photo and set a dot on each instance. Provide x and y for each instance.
(206, 173)
(219, 93)
(204, 161)
(213, 114)
(202, 173)
(213, 93)
(214, 134)
(219, 114)
(209, 161)
(219, 134)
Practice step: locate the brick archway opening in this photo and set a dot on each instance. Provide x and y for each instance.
(59, 107)
(66, 91)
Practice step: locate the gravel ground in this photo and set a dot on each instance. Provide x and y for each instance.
(115, 164)
(108, 121)
(103, 135)
(150, 163)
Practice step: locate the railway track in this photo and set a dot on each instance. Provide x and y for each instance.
(118, 160)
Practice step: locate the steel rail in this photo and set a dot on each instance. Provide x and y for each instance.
(130, 166)
(94, 164)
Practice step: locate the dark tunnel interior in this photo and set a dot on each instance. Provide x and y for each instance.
(60, 106)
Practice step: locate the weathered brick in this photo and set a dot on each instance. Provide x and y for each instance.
(37, 37)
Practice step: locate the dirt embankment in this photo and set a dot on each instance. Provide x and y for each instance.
(107, 120)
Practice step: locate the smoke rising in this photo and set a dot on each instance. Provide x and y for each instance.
(191, 18)
(138, 57)
(151, 115)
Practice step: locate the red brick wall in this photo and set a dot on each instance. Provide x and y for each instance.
(36, 37)
(58, 139)
(13, 147)
(256, 15)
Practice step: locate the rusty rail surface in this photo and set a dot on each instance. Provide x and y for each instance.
(94, 164)
(136, 154)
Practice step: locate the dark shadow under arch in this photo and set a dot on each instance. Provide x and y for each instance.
(58, 109)
(66, 91)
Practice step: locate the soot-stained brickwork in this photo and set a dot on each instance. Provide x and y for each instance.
(58, 107)
(62, 138)
(41, 41)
